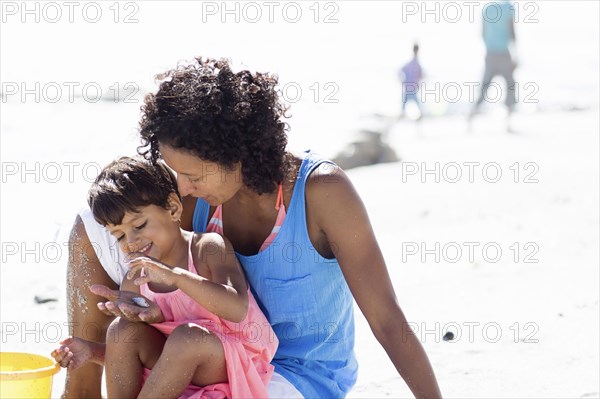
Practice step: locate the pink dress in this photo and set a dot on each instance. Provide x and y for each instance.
(249, 345)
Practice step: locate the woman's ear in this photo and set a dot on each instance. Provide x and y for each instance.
(175, 207)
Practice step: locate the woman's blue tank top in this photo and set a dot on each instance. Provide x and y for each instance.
(305, 298)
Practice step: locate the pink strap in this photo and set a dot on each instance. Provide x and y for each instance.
(279, 197)
(215, 225)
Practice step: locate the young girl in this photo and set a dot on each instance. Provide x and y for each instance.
(189, 326)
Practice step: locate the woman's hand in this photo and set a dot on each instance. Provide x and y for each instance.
(73, 353)
(127, 304)
(150, 270)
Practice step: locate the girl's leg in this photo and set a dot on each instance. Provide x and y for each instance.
(191, 355)
(130, 347)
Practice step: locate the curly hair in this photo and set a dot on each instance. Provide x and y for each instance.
(128, 184)
(220, 116)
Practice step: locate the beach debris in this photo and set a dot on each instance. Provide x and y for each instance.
(371, 145)
(370, 150)
(39, 299)
(449, 336)
(141, 302)
(589, 395)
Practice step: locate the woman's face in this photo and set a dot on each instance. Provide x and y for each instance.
(198, 178)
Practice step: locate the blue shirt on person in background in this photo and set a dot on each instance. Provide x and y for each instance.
(498, 26)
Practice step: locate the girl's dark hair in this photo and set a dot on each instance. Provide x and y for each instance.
(128, 184)
(219, 116)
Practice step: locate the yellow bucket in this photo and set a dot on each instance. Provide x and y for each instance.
(25, 375)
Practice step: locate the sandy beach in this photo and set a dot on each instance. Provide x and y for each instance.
(508, 265)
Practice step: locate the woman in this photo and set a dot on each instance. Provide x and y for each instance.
(298, 227)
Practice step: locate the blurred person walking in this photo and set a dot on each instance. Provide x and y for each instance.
(411, 75)
(499, 37)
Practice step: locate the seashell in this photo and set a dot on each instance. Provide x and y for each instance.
(141, 302)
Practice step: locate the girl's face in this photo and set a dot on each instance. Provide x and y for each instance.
(152, 231)
(198, 178)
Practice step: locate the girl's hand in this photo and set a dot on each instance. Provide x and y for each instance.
(127, 304)
(73, 353)
(150, 270)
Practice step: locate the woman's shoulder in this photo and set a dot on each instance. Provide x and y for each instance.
(327, 179)
(312, 167)
(330, 194)
(333, 208)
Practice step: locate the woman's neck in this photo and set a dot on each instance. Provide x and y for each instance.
(247, 196)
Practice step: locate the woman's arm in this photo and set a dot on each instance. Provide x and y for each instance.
(86, 321)
(336, 210)
(224, 294)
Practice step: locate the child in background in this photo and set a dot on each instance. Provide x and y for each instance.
(191, 327)
(411, 75)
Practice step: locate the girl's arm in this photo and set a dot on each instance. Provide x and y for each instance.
(224, 294)
(76, 352)
(127, 302)
(339, 214)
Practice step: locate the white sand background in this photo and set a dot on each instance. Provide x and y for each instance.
(522, 329)
(526, 329)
